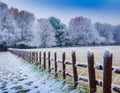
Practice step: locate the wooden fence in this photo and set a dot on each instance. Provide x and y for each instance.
(40, 59)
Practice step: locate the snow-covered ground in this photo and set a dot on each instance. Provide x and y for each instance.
(18, 76)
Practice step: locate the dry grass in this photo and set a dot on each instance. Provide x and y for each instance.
(81, 56)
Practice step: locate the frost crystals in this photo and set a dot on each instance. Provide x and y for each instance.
(107, 53)
(89, 53)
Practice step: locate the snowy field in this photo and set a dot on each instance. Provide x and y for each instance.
(18, 76)
(81, 53)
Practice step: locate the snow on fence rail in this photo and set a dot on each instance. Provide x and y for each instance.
(41, 60)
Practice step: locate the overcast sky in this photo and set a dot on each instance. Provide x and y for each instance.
(97, 10)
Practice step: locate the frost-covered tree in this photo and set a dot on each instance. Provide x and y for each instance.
(8, 28)
(45, 33)
(21, 27)
(81, 31)
(117, 34)
(59, 29)
(24, 22)
(106, 31)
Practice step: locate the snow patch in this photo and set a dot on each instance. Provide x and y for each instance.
(97, 65)
(63, 52)
(107, 53)
(73, 50)
(89, 53)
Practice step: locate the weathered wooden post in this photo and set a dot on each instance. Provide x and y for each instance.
(40, 59)
(36, 58)
(107, 72)
(22, 55)
(27, 55)
(32, 57)
(49, 64)
(75, 76)
(44, 63)
(91, 71)
(63, 65)
(55, 58)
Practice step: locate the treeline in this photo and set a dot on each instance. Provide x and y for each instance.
(22, 29)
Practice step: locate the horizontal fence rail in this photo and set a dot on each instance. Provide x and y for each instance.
(43, 59)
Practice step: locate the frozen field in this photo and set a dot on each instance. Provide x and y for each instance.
(81, 53)
(18, 76)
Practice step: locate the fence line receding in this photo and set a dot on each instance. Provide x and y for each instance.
(44, 59)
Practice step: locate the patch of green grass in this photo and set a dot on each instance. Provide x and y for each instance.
(67, 85)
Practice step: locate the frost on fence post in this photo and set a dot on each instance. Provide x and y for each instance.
(91, 71)
(75, 76)
(63, 65)
(89, 53)
(40, 59)
(107, 53)
(107, 71)
(49, 64)
(44, 63)
(32, 57)
(55, 57)
(36, 58)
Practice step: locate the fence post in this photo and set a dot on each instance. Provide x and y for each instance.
(32, 57)
(37, 58)
(107, 72)
(49, 69)
(28, 56)
(75, 76)
(44, 63)
(55, 57)
(25, 55)
(91, 71)
(63, 65)
(40, 59)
